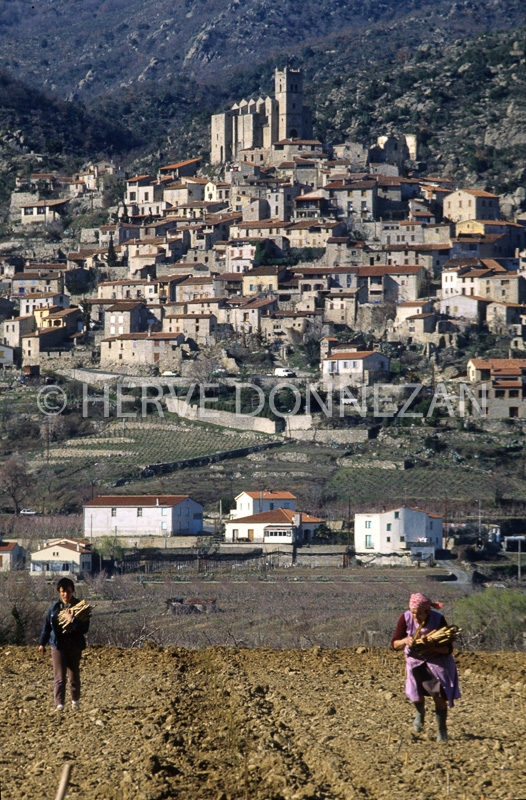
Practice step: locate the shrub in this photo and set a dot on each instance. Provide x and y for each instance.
(494, 618)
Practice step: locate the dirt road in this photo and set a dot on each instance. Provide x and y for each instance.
(229, 724)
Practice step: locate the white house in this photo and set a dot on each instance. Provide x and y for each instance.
(355, 367)
(402, 531)
(142, 515)
(249, 503)
(281, 526)
(12, 556)
(63, 556)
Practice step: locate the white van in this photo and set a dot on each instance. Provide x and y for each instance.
(284, 372)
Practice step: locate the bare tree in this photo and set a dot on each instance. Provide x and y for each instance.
(15, 480)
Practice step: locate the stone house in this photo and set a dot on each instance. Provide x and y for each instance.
(44, 340)
(199, 328)
(43, 212)
(501, 286)
(240, 254)
(262, 279)
(246, 317)
(142, 515)
(29, 282)
(290, 326)
(392, 283)
(355, 368)
(195, 287)
(402, 531)
(181, 169)
(514, 233)
(357, 200)
(465, 307)
(475, 204)
(412, 307)
(341, 250)
(503, 318)
(310, 233)
(314, 205)
(125, 317)
(218, 191)
(341, 306)
(281, 526)
(176, 193)
(12, 332)
(500, 384)
(158, 349)
(144, 197)
(490, 245)
(128, 289)
(230, 284)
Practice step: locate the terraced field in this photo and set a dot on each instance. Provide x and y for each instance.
(127, 447)
(421, 483)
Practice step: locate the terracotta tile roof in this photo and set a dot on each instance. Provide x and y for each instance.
(280, 516)
(7, 547)
(269, 495)
(479, 193)
(126, 305)
(399, 269)
(142, 500)
(358, 355)
(180, 164)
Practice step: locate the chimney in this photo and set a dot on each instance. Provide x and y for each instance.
(156, 501)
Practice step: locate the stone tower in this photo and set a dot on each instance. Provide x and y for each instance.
(289, 94)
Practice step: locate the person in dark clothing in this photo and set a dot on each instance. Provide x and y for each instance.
(66, 644)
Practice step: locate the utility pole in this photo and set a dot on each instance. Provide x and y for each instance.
(445, 517)
(519, 565)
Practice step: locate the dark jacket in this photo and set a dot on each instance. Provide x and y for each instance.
(53, 633)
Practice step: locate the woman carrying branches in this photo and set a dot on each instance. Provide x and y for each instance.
(430, 666)
(67, 620)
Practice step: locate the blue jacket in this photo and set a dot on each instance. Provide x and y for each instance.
(53, 633)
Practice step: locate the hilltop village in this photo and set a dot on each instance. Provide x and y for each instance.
(337, 264)
(294, 240)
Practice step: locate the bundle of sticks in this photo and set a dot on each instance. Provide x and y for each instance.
(440, 636)
(82, 611)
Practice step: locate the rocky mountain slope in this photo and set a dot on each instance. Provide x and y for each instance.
(86, 48)
(228, 723)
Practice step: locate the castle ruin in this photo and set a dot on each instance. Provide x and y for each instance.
(262, 122)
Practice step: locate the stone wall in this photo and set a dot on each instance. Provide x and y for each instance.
(60, 360)
(19, 199)
(223, 418)
(338, 435)
(89, 236)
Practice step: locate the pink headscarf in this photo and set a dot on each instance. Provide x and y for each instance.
(420, 601)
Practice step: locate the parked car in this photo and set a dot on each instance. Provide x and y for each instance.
(284, 372)
(28, 512)
(169, 374)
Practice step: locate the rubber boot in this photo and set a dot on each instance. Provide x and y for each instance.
(420, 715)
(441, 717)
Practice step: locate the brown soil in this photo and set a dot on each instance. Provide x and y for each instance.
(223, 724)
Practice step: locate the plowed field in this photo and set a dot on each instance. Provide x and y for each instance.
(236, 724)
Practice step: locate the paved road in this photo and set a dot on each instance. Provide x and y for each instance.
(463, 578)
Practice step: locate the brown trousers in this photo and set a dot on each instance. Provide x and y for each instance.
(66, 664)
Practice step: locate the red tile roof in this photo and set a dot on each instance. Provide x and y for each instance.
(131, 501)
